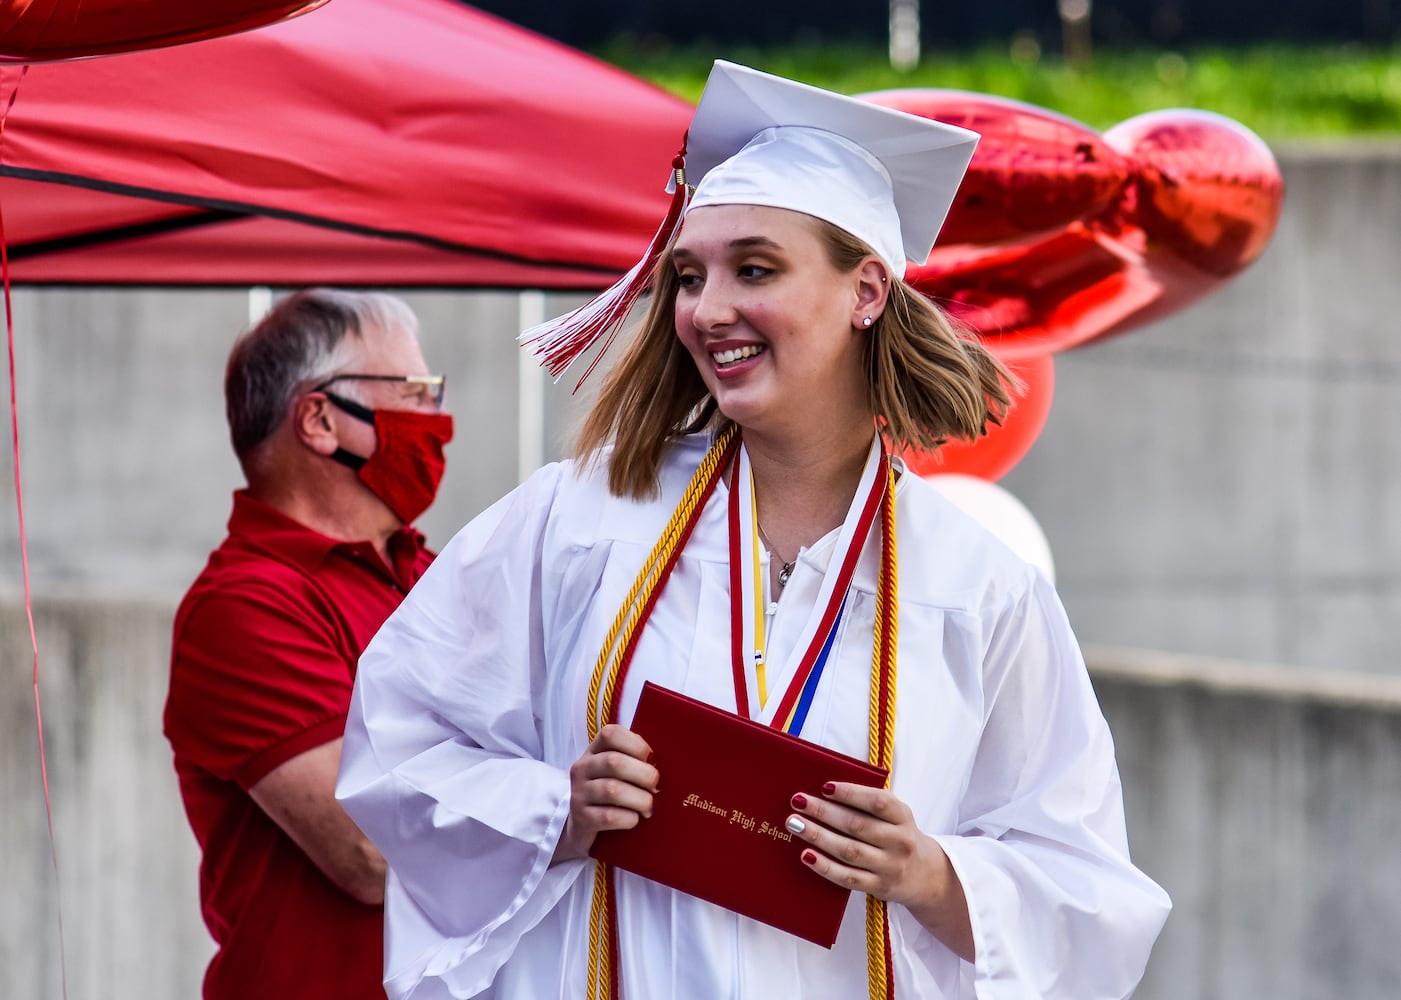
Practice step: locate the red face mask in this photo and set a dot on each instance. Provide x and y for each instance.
(407, 464)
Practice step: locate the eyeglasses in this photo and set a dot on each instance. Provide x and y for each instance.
(436, 384)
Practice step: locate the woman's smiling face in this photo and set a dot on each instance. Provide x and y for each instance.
(768, 319)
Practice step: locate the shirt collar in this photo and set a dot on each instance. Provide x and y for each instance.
(266, 527)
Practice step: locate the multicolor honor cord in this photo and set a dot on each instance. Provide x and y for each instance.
(817, 639)
(616, 655)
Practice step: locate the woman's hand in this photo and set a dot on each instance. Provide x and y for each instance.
(610, 788)
(865, 839)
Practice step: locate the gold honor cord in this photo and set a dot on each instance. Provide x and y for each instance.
(879, 972)
(638, 599)
(613, 660)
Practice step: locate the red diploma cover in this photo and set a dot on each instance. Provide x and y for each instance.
(717, 826)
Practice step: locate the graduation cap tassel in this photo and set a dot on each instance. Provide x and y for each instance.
(560, 342)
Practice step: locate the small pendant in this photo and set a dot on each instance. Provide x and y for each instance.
(784, 572)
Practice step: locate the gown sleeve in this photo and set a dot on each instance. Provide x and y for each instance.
(444, 761)
(1057, 908)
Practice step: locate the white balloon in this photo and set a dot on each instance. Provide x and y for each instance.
(1001, 513)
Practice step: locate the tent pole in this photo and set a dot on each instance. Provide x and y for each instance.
(259, 304)
(530, 412)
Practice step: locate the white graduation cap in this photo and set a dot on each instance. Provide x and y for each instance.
(885, 176)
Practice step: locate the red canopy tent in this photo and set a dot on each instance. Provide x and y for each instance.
(370, 142)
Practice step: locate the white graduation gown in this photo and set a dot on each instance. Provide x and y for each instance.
(469, 708)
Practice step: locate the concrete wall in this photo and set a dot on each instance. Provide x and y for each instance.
(1265, 799)
(1221, 484)
(126, 464)
(126, 860)
(127, 472)
(1227, 482)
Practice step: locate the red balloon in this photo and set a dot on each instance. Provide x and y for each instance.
(1206, 188)
(994, 454)
(50, 30)
(1038, 297)
(1033, 172)
(1206, 198)
(1174, 204)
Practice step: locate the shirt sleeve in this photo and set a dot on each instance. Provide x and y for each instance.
(258, 677)
(444, 759)
(1058, 910)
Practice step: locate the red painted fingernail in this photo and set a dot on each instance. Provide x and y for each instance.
(829, 789)
(800, 802)
(809, 857)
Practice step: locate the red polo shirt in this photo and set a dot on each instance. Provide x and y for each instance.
(262, 664)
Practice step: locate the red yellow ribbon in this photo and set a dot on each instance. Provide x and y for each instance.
(616, 655)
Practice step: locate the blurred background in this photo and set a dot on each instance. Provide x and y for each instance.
(1220, 491)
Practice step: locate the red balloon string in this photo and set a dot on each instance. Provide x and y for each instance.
(23, 543)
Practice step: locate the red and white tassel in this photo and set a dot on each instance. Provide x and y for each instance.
(560, 342)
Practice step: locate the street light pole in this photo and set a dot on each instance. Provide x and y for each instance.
(904, 34)
(1075, 30)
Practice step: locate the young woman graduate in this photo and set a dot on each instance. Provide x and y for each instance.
(736, 529)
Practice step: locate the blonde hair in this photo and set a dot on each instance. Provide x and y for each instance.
(926, 382)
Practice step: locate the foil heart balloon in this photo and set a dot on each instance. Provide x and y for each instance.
(993, 455)
(1206, 196)
(1197, 199)
(1033, 173)
(1206, 189)
(51, 30)
(1040, 296)
(1060, 236)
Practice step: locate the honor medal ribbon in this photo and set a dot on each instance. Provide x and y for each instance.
(876, 494)
(747, 598)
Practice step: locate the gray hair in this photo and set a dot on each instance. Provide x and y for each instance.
(303, 340)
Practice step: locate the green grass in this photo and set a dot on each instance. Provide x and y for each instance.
(1279, 92)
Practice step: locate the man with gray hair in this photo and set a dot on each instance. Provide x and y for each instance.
(339, 429)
